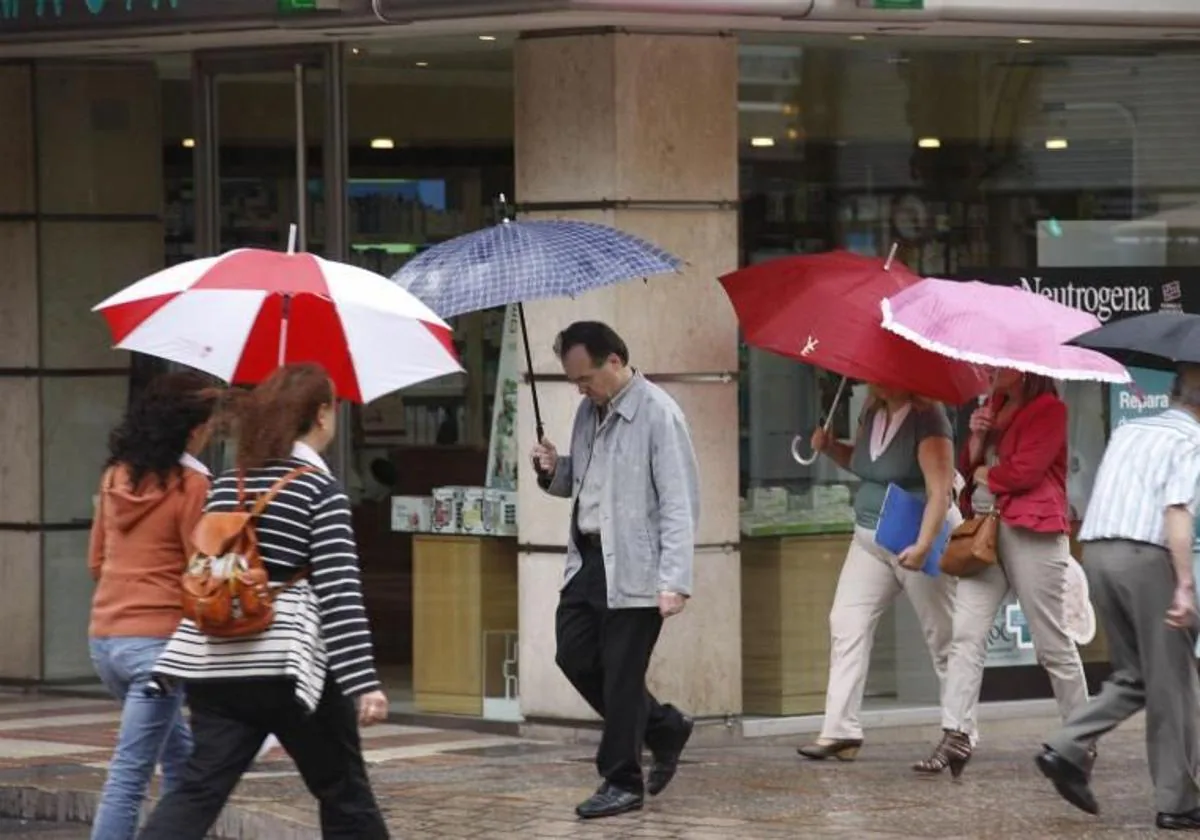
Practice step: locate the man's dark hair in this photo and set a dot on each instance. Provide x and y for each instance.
(597, 338)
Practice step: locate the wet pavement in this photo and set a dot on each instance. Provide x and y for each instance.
(514, 788)
(25, 830)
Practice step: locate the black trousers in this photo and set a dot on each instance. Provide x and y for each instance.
(230, 721)
(605, 654)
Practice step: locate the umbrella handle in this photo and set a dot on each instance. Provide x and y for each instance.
(798, 440)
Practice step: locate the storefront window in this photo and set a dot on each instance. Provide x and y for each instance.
(1060, 168)
(1069, 173)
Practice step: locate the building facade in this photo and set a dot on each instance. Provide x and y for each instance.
(1043, 145)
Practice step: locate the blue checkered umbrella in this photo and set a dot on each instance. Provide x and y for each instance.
(515, 262)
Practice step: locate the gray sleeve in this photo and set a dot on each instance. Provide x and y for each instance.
(562, 483)
(563, 480)
(676, 477)
(932, 422)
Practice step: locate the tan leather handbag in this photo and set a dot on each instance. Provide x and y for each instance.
(972, 547)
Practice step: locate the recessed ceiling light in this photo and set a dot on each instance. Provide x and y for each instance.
(929, 143)
(355, 51)
(383, 143)
(189, 142)
(1056, 144)
(487, 37)
(858, 37)
(422, 63)
(1024, 41)
(762, 142)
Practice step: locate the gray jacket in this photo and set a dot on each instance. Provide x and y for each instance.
(651, 504)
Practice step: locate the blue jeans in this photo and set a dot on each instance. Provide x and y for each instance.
(152, 731)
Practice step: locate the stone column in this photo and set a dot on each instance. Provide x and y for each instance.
(80, 217)
(638, 131)
(20, 411)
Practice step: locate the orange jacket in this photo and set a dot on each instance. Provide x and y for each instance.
(140, 545)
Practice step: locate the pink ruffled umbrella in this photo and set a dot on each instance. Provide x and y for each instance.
(998, 326)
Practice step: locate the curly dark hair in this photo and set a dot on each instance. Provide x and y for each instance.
(155, 430)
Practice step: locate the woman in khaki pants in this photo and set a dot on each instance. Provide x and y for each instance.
(1016, 464)
(907, 442)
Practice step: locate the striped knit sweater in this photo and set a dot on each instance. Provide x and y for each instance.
(309, 522)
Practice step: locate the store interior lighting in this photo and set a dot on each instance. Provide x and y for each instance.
(1024, 41)
(487, 37)
(189, 143)
(762, 142)
(383, 143)
(1056, 144)
(929, 143)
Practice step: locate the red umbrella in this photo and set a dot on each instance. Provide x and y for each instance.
(824, 310)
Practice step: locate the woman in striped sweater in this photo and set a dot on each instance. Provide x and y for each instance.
(309, 679)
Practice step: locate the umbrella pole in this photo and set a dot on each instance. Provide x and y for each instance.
(283, 329)
(798, 440)
(287, 303)
(537, 409)
(887, 266)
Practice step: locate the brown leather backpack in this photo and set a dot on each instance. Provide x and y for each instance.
(225, 587)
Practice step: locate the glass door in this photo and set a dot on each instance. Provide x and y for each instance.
(270, 157)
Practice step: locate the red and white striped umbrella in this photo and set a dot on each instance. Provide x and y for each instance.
(241, 315)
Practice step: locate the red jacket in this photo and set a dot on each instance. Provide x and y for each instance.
(1029, 479)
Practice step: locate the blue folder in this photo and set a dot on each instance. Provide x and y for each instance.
(900, 525)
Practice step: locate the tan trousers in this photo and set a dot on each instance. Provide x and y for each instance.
(1035, 567)
(871, 579)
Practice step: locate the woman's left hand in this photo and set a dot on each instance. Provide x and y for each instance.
(372, 708)
(913, 557)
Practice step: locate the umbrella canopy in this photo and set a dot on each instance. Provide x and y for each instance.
(241, 315)
(516, 262)
(1159, 341)
(998, 326)
(823, 310)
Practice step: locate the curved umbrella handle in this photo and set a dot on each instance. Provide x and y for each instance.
(800, 459)
(798, 439)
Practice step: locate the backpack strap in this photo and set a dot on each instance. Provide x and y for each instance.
(266, 498)
(260, 505)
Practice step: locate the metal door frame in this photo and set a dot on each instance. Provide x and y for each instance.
(207, 66)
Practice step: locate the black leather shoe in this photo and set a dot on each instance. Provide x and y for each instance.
(667, 762)
(1179, 822)
(608, 801)
(1069, 780)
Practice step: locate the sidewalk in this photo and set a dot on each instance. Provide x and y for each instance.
(459, 784)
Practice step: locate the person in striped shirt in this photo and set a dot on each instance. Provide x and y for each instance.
(310, 678)
(1138, 534)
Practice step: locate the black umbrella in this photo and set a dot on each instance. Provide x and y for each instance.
(1159, 341)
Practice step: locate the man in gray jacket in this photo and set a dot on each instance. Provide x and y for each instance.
(631, 475)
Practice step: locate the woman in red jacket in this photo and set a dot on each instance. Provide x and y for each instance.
(1015, 463)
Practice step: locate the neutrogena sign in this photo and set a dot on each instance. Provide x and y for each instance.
(1102, 301)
